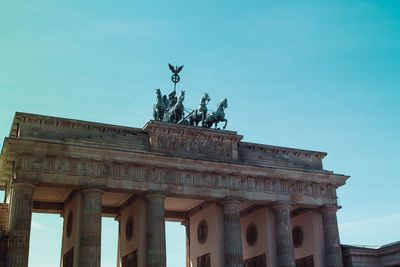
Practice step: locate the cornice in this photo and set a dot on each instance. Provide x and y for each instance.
(159, 160)
(65, 122)
(301, 153)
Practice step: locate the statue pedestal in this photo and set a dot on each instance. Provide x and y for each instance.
(192, 141)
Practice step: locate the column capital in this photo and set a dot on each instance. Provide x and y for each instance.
(329, 208)
(230, 201)
(150, 195)
(90, 190)
(282, 205)
(16, 184)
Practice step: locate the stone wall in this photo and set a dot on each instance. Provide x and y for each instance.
(131, 239)
(3, 217)
(214, 242)
(264, 221)
(384, 256)
(70, 238)
(3, 233)
(313, 237)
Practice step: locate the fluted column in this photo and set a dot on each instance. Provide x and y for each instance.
(19, 224)
(333, 252)
(233, 254)
(155, 236)
(284, 239)
(90, 229)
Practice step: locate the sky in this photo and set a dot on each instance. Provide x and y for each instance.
(317, 75)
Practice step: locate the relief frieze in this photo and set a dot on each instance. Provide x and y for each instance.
(61, 165)
(210, 147)
(176, 177)
(224, 181)
(187, 178)
(39, 164)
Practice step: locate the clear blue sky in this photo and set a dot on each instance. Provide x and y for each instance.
(320, 75)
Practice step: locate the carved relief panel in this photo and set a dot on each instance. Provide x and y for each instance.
(193, 142)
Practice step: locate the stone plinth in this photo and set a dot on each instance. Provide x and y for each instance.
(192, 141)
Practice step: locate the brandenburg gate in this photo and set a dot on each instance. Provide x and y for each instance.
(243, 204)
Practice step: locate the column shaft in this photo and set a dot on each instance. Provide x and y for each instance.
(155, 236)
(90, 229)
(19, 225)
(284, 239)
(232, 235)
(333, 252)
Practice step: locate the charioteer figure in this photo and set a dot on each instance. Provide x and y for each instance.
(200, 114)
(172, 99)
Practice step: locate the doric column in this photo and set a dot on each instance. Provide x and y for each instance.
(333, 252)
(155, 236)
(90, 228)
(284, 239)
(233, 254)
(19, 224)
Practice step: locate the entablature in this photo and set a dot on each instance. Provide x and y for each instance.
(76, 166)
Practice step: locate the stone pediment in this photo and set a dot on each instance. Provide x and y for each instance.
(193, 142)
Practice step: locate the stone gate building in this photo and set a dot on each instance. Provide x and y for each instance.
(242, 203)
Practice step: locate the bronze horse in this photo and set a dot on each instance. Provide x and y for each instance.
(159, 107)
(218, 115)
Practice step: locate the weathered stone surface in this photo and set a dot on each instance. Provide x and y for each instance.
(20, 225)
(4, 212)
(284, 239)
(267, 155)
(333, 252)
(199, 176)
(232, 233)
(193, 142)
(188, 159)
(155, 235)
(90, 228)
(361, 256)
(164, 138)
(178, 161)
